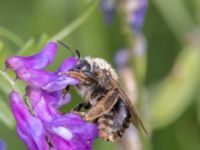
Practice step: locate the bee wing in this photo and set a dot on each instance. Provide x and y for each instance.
(136, 121)
(103, 106)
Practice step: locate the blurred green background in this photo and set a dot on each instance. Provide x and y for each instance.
(172, 80)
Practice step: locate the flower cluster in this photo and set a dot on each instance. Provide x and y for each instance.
(45, 128)
(134, 10)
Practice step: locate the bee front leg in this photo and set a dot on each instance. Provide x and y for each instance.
(65, 91)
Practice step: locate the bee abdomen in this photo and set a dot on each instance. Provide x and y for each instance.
(112, 125)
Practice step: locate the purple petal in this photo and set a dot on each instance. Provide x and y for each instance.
(57, 99)
(42, 107)
(59, 83)
(35, 78)
(122, 57)
(68, 64)
(78, 133)
(109, 9)
(137, 15)
(2, 145)
(48, 81)
(37, 61)
(30, 129)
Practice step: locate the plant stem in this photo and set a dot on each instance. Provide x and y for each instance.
(76, 23)
(11, 36)
(10, 81)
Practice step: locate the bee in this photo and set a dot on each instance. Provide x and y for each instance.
(106, 104)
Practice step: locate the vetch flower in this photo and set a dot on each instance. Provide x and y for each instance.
(50, 81)
(29, 69)
(109, 8)
(2, 145)
(45, 127)
(29, 128)
(121, 58)
(134, 11)
(56, 98)
(37, 61)
(43, 103)
(66, 131)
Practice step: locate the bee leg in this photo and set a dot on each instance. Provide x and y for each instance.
(85, 105)
(65, 91)
(77, 109)
(103, 106)
(82, 114)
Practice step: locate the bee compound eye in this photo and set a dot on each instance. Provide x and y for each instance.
(84, 65)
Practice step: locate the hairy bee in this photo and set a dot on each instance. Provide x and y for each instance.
(106, 103)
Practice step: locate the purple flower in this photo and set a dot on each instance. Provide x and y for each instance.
(29, 128)
(121, 58)
(37, 61)
(109, 8)
(29, 69)
(50, 81)
(66, 131)
(134, 10)
(45, 127)
(2, 145)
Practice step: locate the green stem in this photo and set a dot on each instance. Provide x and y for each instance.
(11, 36)
(10, 81)
(76, 23)
(176, 16)
(138, 62)
(126, 30)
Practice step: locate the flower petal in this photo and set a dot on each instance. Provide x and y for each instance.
(122, 57)
(56, 98)
(41, 105)
(59, 83)
(2, 145)
(37, 61)
(30, 129)
(48, 81)
(78, 133)
(136, 10)
(68, 64)
(109, 9)
(35, 78)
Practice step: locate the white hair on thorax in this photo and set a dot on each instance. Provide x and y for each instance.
(103, 64)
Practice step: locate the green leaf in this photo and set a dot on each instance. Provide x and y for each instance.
(27, 46)
(10, 81)
(31, 45)
(41, 42)
(177, 91)
(11, 36)
(76, 23)
(176, 15)
(5, 114)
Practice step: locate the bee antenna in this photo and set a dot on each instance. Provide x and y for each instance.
(78, 53)
(66, 46)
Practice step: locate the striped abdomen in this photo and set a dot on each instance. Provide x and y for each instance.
(113, 124)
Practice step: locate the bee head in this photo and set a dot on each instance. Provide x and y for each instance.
(83, 65)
